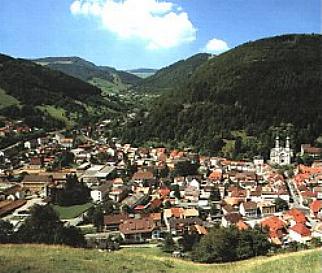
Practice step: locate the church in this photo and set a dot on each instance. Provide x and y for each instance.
(281, 155)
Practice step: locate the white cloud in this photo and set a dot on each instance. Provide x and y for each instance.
(160, 24)
(216, 46)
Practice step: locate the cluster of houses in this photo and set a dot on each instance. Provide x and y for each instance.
(14, 127)
(155, 200)
(308, 182)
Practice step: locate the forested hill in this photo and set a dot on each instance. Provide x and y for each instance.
(34, 84)
(172, 76)
(252, 87)
(105, 77)
(44, 97)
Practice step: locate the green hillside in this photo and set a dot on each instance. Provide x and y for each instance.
(7, 100)
(172, 76)
(253, 87)
(56, 259)
(106, 78)
(47, 98)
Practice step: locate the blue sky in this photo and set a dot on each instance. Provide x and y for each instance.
(146, 33)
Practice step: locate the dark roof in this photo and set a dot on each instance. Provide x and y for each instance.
(233, 217)
(12, 206)
(313, 150)
(114, 219)
(250, 205)
(134, 226)
(12, 190)
(105, 187)
(185, 221)
(228, 208)
(143, 175)
(37, 178)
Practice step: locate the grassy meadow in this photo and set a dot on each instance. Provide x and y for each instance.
(58, 113)
(71, 211)
(7, 100)
(108, 87)
(56, 259)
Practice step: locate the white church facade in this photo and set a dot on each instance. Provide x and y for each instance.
(281, 155)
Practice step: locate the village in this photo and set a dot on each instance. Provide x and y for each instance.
(152, 192)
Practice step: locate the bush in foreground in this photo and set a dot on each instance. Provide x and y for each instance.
(230, 244)
(44, 227)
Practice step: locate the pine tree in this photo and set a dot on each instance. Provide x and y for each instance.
(169, 244)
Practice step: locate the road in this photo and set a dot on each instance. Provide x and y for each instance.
(11, 147)
(19, 212)
(295, 194)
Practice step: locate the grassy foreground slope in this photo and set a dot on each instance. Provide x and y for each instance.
(50, 259)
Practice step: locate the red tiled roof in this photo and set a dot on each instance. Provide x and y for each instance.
(164, 191)
(301, 229)
(177, 212)
(316, 206)
(275, 226)
(139, 207)
(297, 215)
(215, 175)
(155, 216)
(309, 194)
(310, 170)
(241, 225)
(155, 203)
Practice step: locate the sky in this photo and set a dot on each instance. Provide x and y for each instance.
(129, 34)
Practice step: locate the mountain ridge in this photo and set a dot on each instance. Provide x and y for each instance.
(175, 74)
(107, 78)
(253, 87)
(45, 97)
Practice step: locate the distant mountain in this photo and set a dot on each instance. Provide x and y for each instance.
(107, 78)
(45, 97)
(253, 87)
(172, 76)
(142, 72)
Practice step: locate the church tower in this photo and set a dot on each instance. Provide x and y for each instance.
(287, 144)
(281, 155)
(277, 142)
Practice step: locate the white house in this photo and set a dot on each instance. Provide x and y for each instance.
(299, 233)
(259, 164)
(98, 194)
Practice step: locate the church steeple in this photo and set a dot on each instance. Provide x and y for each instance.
(287, 143)
(277, 142)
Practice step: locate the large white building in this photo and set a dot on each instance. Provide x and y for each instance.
(281, 155)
